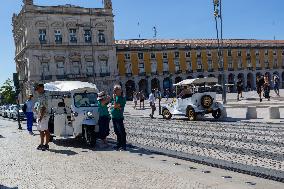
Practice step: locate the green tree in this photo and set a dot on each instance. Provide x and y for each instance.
(8, 93)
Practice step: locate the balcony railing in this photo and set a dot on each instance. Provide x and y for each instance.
(231, 69)
(211, 70)
(104, 74)
(166, 72)
(142, 74)
(128, 74)
(189, 71)
(275, 67)
(258, 68)
(200, 70)
(267, 67)
(250, 68)
(178, 71)
(240, 68)
(220, 69)
(154, 73)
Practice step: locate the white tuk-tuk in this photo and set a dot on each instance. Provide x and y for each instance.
(201, 100)
(73, 109)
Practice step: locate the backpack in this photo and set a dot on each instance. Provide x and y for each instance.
(24, 108)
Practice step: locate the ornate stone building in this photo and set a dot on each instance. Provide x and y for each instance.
(65, 43)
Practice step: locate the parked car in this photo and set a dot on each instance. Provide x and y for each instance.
(1, 110)
(14, 113)
(201, 101)
(6, 111)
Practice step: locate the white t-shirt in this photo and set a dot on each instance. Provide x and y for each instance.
(30, 106)
(152, 98)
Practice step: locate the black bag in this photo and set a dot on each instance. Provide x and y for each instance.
(24, 108)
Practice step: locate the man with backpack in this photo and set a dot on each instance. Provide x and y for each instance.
(276, 82)
(28, 110)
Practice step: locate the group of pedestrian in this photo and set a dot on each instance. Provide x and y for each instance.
(116, 104)
(263, 86)
(140, 96)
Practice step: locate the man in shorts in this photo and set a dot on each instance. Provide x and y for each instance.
(43, 117)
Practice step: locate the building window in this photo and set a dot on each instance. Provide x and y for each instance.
(165, 55)
(176, 54)
(240, 63)
(140, 56)
(249, 65)
(209, 53)
(42, 36)
(187, 54)
(256, 52)
(199, 65)
(128, 68)
(141, 67)
(104, 66)
(229, 52)
(76, 68)
(165, 66)
(274, 53)
(72, 35)
(210, 64)
(60, 68)
(198, 54)
(88, 36)
(275, 63)
(230, 64)
(127, 56)
(154, 67)
(266, 52)
(101, 36)
(257, 63)
(90, 68)
(266, 64)
(45, 68)
(239, 53)
(153, 55)
(248, 53)
(58, 36)
(189, 65)
(177, 66)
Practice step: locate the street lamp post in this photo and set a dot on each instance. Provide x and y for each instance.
(218, 18)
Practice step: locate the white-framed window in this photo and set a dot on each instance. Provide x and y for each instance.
(209, 54)
(274, 53)
(189, 65)
(165, 66)
(73, 35)
(176, 54)
(76, 68)
(187, 54)
(42, 35)
(128, 67)
(266, 63)
(58, 36)
(60, 68)
(101, 35)
(257, 62)
(153, 55)
(127, 56)
(199, 65)
(198, 54)
(140, 56)
(154, 66)
(266, 52)
(90, 68)
(141, 67)
(229, 52)
(275, 62)
(88, 36)
(210, 64)
(249, 65)
(239, 53)
(45, 68)
(257, 53)
(177, 65)
(230, 63)
(239, 63)
(104, 66)
(248, 53)
(165, 55)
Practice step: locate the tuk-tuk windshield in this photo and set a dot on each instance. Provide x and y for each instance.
(85, 100)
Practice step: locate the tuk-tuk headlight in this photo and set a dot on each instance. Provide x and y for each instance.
(75, 114)
(90, 114)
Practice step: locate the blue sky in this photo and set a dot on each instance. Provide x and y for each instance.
(249, 19)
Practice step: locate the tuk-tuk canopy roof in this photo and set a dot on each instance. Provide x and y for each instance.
(197, 81)
(68, 86)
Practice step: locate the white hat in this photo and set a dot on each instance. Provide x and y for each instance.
(101, 95)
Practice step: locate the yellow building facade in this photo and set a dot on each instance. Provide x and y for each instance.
(149, 64)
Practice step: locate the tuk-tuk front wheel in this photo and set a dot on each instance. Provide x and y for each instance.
(166, 114)
(89, 135)
(217, 113)
(191, 114)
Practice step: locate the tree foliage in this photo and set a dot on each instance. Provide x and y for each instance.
(8, 94)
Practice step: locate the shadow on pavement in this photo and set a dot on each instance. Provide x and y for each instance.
(64, 152)
(5, 187)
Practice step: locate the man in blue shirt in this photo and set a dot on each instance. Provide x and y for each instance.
(29, 114)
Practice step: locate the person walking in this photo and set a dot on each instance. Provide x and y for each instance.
(240, 88)
(167, 94)
(142, 100)
(152, 103)
(276, 82)
(104, 117)
(43, 117)
(28, 110)
(266, 87)
(259, 86)
(117, 110)
(135, 99)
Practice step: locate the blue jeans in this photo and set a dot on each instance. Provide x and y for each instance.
(30, 120)
(119, 130)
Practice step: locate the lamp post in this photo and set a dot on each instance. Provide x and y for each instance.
(219, 24)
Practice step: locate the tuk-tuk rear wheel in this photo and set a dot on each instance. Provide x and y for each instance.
(217, 113)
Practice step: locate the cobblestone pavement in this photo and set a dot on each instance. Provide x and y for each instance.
(254, 148)
(70, 164)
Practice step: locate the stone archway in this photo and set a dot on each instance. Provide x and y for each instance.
(130, 89)
(167, 83)
(200, 76)
(155, 84)
(143, 86)
(220, 79)
(250, 82)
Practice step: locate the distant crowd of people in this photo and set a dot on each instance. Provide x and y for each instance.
(262, 86)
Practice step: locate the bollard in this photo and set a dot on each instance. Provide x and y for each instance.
(274, 112)
(251, 112)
